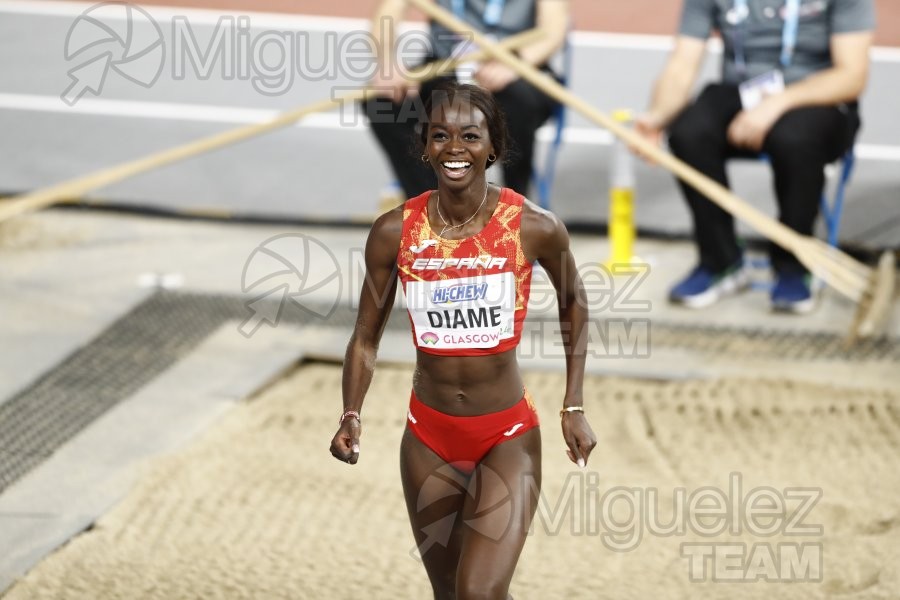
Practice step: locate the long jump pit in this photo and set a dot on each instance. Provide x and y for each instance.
(724, 488)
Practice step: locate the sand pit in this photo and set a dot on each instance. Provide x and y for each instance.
(257, 508)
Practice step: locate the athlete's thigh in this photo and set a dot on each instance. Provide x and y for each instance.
(502, 498)
(434, 494)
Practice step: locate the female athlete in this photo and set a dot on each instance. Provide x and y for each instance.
(464, 256)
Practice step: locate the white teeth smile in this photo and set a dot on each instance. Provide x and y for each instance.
(456, 165)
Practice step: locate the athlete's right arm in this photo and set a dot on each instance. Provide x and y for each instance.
(375, 303)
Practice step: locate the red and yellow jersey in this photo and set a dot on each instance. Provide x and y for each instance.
(465, 297)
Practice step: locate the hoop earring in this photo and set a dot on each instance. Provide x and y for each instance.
(424, 158)
(492, 158)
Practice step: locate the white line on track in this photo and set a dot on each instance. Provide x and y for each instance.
(170, 111)
(207, 113)
(280, 21)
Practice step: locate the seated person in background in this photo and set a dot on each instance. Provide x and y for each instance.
(394, 116)
(792, 71)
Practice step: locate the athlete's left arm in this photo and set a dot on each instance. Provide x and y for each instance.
(545, 239)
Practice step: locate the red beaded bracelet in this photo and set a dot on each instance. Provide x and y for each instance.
(347, 414)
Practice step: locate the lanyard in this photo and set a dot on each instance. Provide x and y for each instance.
(738, 16)
(492, 11)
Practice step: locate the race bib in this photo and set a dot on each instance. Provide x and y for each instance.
(470, 312)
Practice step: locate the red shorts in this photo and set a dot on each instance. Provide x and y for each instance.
(463, 441)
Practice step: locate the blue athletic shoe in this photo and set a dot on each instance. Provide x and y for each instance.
(792, 293)
(702, 287)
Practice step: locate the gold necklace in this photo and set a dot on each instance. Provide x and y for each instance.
(447, 225)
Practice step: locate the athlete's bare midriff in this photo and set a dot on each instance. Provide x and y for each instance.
(468, 385)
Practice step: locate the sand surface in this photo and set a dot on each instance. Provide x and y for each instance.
(257, 508)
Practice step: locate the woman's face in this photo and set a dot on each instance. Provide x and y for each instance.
(458, 143)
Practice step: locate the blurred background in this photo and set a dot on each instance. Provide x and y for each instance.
(171, 344)
(161, 101)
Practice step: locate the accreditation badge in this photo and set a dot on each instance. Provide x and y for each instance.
(465, 71)
(753, 91)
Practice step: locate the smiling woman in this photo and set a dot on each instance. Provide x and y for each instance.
(464, 254)
(486, 115)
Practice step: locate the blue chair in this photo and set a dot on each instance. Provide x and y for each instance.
(831, 212)
(543, 180)
(831, 209)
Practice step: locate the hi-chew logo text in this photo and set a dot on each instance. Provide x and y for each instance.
(466, 292)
